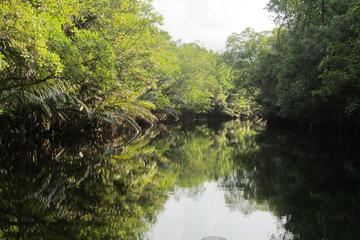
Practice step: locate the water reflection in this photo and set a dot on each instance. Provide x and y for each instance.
(237, 180)
(312, 181)
(207, 214)
(77, 192)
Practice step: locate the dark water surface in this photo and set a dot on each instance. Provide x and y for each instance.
(236, 181)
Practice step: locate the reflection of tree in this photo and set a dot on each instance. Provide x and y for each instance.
(313, 182)
(235, 199)
(241, 139)
(77, 193)
(57, 191)
(190, 156)
(194, 192)
(201, 154)
(199, 157)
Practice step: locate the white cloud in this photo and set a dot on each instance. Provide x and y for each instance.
(211, 15)
(212, 21)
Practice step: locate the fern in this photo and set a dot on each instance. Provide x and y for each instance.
(46, 100)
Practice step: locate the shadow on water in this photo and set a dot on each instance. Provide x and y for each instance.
(312, 181)
(77, 191)
(88, 191)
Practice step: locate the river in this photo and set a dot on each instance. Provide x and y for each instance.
(236, 180)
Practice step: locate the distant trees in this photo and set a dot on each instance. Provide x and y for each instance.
(203, 81)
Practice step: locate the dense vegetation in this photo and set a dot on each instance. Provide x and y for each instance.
(104, 68)
(306, 70)
(108, 63)
(96, 63)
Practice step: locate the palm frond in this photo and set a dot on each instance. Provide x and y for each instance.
(46, 100)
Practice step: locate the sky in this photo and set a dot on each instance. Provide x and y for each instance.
(212, 21)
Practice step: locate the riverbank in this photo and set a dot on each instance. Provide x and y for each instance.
(103, 129)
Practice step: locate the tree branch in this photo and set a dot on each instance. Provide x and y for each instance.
(28, 84)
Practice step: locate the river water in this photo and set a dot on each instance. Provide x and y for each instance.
(236, 180)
